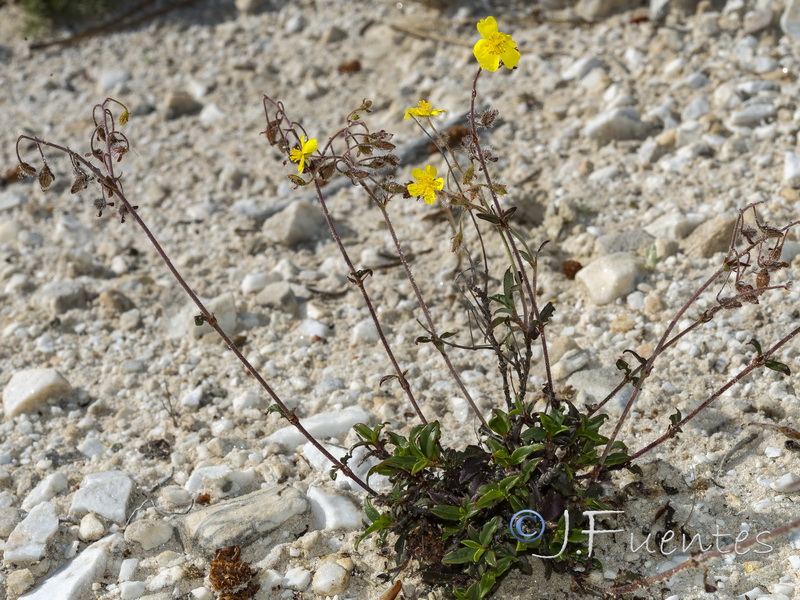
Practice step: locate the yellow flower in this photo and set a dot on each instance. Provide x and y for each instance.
(427, 184)
(494, 47)
(423, 109)
(299, 155)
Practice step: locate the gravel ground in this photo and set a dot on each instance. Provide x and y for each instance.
(629, 140)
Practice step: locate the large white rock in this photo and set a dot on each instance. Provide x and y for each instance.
(105, 494)
(73, 581)
(610, 277)
(332, 510)
(29, 389)
(28, 541)
(321, 426)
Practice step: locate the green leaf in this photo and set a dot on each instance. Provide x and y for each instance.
(490, 498)
(777, 366)
(419, 465)
(373, 514)
(499, 422)
(755, 343)
(547, 312)
(459, 557)
(429, 440)
(488, 531)
(534, 434)
(522, 453)
(486, 584)
(449, 513)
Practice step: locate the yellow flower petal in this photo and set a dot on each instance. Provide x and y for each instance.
(426, 185)
(487, 26)
(495, 46)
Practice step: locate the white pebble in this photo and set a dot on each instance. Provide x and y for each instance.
(330, 579)
(127, 569)
(105, 494)
(30, 388)
(610, 277)
(790, 482)
(297, 579)
(28, 541)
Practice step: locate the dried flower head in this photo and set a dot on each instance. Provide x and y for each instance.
(46, 177)
(26, 170)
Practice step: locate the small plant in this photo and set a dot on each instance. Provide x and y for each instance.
(540, 466)
(47, 14)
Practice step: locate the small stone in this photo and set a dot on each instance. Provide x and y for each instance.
(711, 237)
(753, 115)
(571, 361)
(91, 528)
(593, 10)
(791, 169)
(112, 80)
(127, 569)
(130, 590)
(619, 124)
(105, 494)
(19, 581)
(74, 580)
(252, 7)
(222, 307)
(330, 579)
(180, 104)
(60, 296)
(299, 223)
(622, 323)
(333, 34)
(635, 242)
(610, 277)
(332, 510)
(297, 578)
(9, 518)
(9, 200)
(248, 399)
(696, 108)
(365, 333)
(582, 67)
(255, 282)
(790, 482)
(28, 541)
(114, 301)
(52, 484)
(649, 152)
(148, 533)
(210, 114)
(295, 23)
(28, 390)
(790, 19)
(279, 295)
